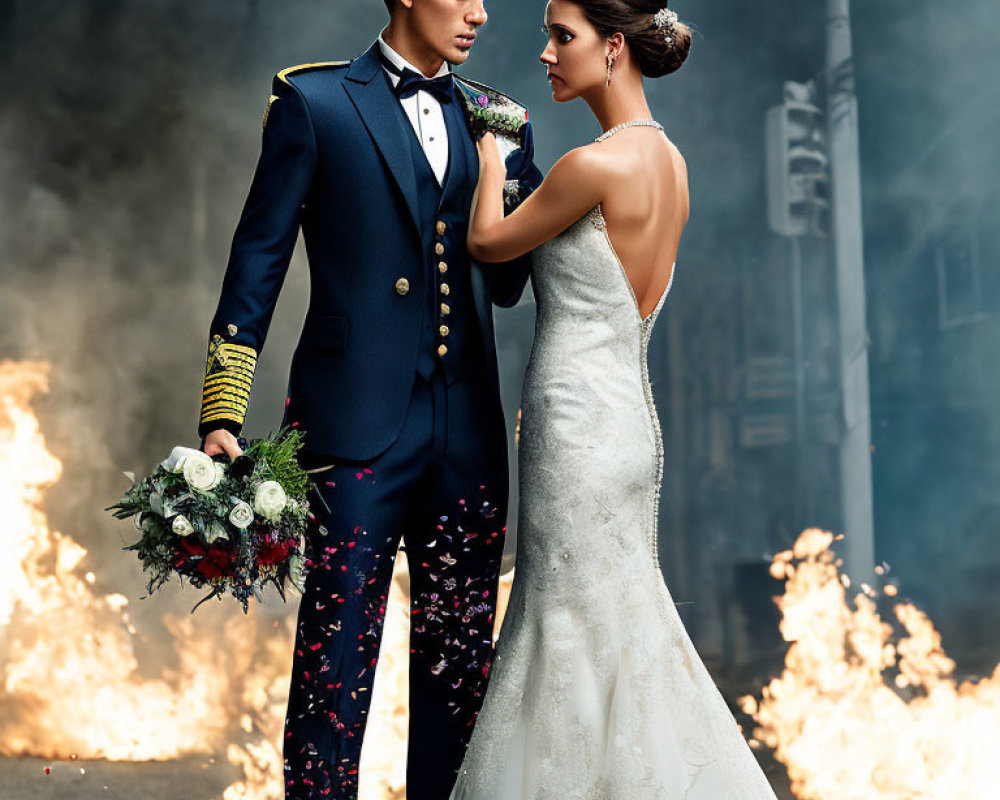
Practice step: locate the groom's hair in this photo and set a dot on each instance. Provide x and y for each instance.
(389, 4)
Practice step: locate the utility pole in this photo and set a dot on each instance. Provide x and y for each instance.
(848, 252)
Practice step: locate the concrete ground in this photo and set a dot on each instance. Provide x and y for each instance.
(184, 779)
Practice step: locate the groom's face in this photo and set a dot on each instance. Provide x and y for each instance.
(447, 28)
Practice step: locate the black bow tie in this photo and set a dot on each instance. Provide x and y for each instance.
(410, 82)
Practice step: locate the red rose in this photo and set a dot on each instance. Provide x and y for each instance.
(217, 563)
(272, 552)
(192, 545)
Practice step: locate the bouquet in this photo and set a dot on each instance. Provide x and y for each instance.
(229, 527)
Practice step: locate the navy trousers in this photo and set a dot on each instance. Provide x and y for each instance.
(441, 489)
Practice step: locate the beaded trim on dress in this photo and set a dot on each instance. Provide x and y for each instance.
(596, 217)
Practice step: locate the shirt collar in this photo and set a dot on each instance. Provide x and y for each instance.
(398, 61)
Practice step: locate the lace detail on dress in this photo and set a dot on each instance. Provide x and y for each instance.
(596, 218)
(596, 691)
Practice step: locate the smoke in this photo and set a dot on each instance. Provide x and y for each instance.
(929, 122)
(127, 141)
(126, 145)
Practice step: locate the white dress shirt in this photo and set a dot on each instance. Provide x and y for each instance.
(424, 113)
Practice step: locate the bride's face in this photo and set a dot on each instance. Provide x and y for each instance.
(575, 55)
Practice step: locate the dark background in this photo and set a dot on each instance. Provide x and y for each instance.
(128, 135)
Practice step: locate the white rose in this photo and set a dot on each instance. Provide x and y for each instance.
(199, 471)
(175, 461)
(241, 516)
(270, 500)
(216, 530)
(182, 526)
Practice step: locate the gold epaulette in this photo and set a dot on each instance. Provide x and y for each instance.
(283, 75)
(228, 379)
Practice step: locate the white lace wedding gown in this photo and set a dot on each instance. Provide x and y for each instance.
(596, 692)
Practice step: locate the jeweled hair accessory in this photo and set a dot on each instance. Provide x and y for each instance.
(665, 20)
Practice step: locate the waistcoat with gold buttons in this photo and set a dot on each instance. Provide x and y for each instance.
(449, 333)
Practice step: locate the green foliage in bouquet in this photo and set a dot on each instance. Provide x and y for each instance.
(229, 527)
(276, 460)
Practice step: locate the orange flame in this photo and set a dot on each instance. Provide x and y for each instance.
(859, 714)
(69, 669)
(68, 664)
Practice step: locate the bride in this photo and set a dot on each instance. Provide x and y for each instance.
(596, 692)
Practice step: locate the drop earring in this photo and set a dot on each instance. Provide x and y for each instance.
(611, 61)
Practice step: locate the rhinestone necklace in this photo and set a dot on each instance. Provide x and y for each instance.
(652, 123)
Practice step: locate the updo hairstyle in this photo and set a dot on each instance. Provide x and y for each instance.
(636, 20)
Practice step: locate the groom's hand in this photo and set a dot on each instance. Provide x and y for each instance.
(221, 441)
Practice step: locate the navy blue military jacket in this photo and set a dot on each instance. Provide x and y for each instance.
(335, 163)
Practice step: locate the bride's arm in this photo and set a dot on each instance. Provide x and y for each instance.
(569, 191)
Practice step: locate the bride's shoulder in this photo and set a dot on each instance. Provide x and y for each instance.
(588, 155)
(585, 164)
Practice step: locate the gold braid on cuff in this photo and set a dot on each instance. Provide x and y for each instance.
(228, 378)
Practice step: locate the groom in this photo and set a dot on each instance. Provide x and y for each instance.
(394, 381)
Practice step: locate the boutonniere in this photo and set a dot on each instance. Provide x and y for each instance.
(487, 110)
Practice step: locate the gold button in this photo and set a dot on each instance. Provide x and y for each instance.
(444, 330)
(442, 350)
(402, 286)
(445, 289)
(442, 267)
(445, 308)
(439, 248)
(441, 227)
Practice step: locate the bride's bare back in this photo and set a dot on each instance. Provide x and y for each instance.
(645, 204)
(637, 176)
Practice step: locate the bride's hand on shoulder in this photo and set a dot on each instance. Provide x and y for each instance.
(572, 187)
(490, 164)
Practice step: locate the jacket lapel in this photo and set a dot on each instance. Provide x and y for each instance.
(471, 155)
(462, 146)
(372, 96)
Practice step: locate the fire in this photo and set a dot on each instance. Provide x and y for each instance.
(72, 682)
(261, 708)
(858, 713)
(21, 480)
(69, 668)
(862, 714)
